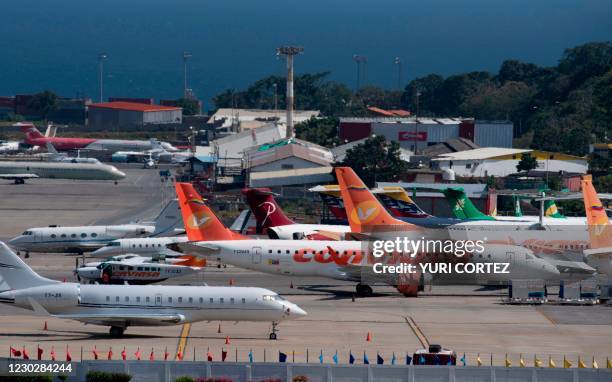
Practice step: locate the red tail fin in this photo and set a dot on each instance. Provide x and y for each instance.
(364, 211)
(201, 223)
(267, 212)
(30, 131)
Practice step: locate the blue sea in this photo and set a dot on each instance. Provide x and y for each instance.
(54, 44)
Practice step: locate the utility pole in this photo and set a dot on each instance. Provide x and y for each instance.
(289, 52)
(359, 60)
(398, 62)
(101, 58)
(186, 56)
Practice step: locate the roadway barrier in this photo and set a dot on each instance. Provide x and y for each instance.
(161, 371)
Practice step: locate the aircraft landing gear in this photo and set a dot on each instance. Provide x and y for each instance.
(27, 255)
(364, 290)
(116, 331)
(19, 181)
(274, 330)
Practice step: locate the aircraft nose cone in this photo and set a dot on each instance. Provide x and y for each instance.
(119, 174)
(295, 311)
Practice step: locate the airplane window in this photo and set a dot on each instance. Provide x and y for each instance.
(111, 244)
(83, 235)
(139, 269)
(170, 299)
(53, 236)
(140, 245)
(25, 233)
(147, 299)
(231, 300)
(287, 252)
(201, 300)
(296, 251)
(116, 298)
(138, 299)
(73, 235)
(489, 255)
(146, 268)
(63, 235)
(212, 300)
(180, 299)
(107, 298)
(147, 245)
(279, 251)
(480, 256)
(159, 245)
(127, 298)
(221, 300)
(243, 300)
(133, 245)
(121, 268)
(269, 251)
(191, 300)
(94, 234)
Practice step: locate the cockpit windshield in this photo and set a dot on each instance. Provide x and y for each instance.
(274, 297)
(25, 233)
(113, 244)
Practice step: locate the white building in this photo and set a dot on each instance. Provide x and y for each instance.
(499, 162)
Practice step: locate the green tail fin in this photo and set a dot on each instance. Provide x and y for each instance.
(462, 206)
(551, 210)
(517, 206)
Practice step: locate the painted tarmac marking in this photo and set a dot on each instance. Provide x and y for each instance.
(182, 343)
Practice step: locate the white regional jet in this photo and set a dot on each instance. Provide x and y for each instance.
(121, 306)
(140, 246)
(87, 238)
(342, 260)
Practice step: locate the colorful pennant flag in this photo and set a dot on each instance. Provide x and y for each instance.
(282, 357)
(379, 359)
(335, 357)
(351, 358)
(551, 363)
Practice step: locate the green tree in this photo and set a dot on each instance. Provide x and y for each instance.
(43, 103)
(190, 106)
(376, 160)
(527, 163)
(322, 131)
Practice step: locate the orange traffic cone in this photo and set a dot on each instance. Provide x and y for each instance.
(219, 330)
(369, 337)
(45, 327)
(227, 341)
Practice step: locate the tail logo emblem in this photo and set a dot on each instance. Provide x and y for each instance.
(198, 220)
(269, 208)
(365, 212)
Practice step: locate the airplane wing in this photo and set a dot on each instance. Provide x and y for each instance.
(18, 176)
(133, 319)
(190, 248)
(114, 318)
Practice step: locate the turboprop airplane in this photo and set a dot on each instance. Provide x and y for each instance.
(272, 220)
(342, 260)
(80, 239)
(134, 269)
(121, 306)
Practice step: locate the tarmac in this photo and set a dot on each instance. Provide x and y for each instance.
(467, 319)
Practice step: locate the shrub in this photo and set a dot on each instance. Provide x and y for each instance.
(184, 379)
(300, 378)
(103, 376)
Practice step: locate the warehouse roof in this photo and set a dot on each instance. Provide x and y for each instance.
(132, 106)
(481, 153)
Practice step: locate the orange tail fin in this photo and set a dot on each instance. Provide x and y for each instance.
(201, 223)
(600, 230)
(192, 261)
(362, 207)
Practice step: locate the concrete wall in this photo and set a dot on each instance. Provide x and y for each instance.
(158, 371)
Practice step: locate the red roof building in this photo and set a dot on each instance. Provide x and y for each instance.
(131, 115)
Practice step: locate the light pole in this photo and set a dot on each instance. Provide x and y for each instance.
(101, 58)
(289, 52)
(360, 60)
(186, 56)
(398, 62)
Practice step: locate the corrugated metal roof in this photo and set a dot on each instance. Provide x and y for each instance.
(479, 154)
(132, 106)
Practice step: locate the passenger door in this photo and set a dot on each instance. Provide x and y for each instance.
(158, 299)
(256, 255)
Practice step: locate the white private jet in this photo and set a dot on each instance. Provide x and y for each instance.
(121, 306)
(88, 238)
